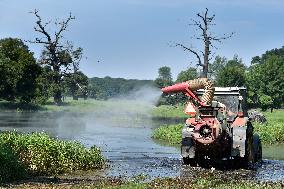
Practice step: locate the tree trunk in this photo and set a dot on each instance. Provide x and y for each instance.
(57, 87)
(57, 97)
(206, 58)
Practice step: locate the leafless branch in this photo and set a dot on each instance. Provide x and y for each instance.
(203, 24)
(192, 51)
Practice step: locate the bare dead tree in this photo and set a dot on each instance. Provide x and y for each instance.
(207, 37)
(58, 54)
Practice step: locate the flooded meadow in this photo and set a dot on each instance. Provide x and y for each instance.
(125, 141)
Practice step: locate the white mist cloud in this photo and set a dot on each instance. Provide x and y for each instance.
(146, 94)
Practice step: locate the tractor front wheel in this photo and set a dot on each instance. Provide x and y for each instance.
(189, 161)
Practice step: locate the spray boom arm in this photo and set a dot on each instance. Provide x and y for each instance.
(193, 85)
(184, 88)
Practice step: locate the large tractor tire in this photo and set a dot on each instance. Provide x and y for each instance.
(253, 151)
(257, 149)
(188, 152)
(189, 161)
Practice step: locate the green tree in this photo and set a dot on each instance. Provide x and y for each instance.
(214, 68)
(189, 74)
(77, 85)
(59, 55)
(265, 82)
(232, 75)
(44, 86)
(164, 77)
(18, 71)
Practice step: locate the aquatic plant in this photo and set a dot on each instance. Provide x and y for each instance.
(11, 167)
(169, 133)
(42, 155)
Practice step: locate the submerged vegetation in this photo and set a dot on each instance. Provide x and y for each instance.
(169, 133)
(207, 180)
(38, 154)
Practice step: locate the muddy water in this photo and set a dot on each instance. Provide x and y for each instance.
(126, 142)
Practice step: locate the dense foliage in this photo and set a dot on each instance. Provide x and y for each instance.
(164, 78)
(189, 74)
(169, 133)
(232, 74)
(18, 71)
(11, 167)
(38, 154)
(76, 85)
(265, 81)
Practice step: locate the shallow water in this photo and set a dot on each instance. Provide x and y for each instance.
(126, 142)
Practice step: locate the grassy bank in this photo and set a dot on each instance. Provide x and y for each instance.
(81, 105)
(35, 154)
(165, 111)
(271, 132)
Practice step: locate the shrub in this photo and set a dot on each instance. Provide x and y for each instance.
(270, 132)
(11, 168)
(169, 133)
(42, 155)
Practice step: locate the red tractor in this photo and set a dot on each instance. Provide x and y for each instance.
(218, 129)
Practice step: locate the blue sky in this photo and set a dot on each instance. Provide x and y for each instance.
(131, 38)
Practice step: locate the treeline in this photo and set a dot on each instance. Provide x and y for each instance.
(263, 78)
(27, 80)
(24, 79)
(107, 87)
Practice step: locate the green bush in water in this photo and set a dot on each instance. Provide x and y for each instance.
(11, 168)
(169, 133)
(42, 155)
(270, 132)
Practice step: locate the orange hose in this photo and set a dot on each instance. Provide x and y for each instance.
(207, 85)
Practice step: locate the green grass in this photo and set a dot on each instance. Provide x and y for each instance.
(38, 154)
(166, 111)
(271, 132)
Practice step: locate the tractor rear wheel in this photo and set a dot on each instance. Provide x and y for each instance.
(257, 149)
(253, 151)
